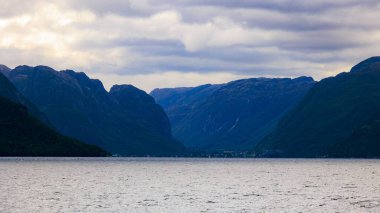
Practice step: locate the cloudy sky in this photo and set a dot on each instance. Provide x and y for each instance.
(167, 43)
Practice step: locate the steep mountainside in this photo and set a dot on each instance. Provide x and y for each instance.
(339, 117)
(9, 91)
(4, 70)
(24, 135)
(80, 107)
(232, 116)
(142, 107)
(179, 102)
(363, 142)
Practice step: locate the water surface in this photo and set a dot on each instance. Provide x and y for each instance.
(188, 185)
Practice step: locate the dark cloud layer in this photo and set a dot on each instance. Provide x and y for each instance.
(287, 6)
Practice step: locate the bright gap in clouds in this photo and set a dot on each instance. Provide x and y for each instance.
(166, 43)
(148, 82)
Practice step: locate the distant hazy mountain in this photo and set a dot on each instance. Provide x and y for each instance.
(232, 116)
(81, 108)
(21, 134)
(179, 102)
(339, 117)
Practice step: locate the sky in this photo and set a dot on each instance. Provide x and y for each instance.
(171, 43)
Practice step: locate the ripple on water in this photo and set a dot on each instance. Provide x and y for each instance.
(188, 185)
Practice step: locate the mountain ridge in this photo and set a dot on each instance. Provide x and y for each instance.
(80, 107)
(230, 116)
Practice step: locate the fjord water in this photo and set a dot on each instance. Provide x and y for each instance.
(188, 185)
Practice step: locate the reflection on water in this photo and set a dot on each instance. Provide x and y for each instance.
(188, 185)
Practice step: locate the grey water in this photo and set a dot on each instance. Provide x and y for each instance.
(188, 185)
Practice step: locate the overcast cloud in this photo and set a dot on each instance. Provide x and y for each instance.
(168, 43)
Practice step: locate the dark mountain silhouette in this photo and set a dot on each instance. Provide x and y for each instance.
(9, 91)
(339, 117)
(81, 108)
(21, 134)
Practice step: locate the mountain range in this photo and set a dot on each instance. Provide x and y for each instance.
(44, 112)
(232, 116)
(124, 121)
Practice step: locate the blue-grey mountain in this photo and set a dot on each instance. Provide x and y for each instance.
(81, 108)
(339, 117)
(22, 134)
(232, 116)
(8, 91)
